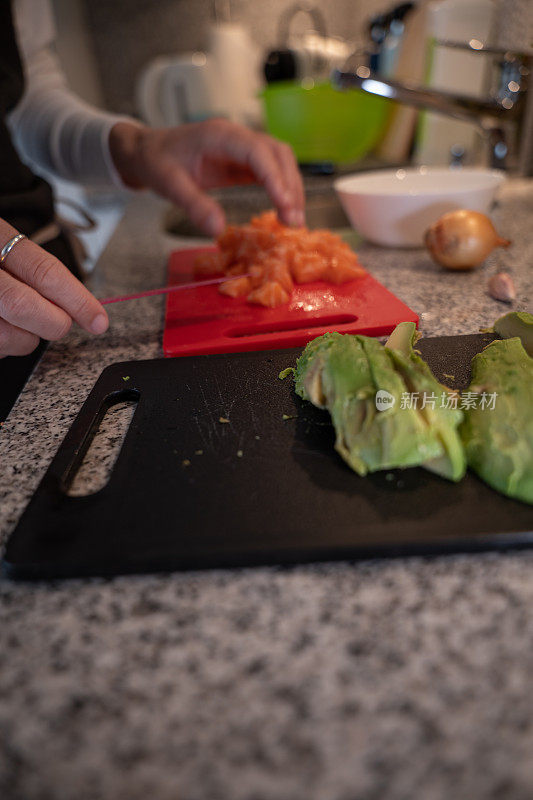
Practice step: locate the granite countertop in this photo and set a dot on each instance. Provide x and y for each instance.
(388, 679)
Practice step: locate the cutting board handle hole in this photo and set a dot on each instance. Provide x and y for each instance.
(326, 321)
(92, 466)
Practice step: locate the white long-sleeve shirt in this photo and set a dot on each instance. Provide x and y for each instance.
(52, 128)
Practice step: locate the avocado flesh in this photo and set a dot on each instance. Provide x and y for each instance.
(516, 323)
(343, 373)
(443, 420)
(499, 441)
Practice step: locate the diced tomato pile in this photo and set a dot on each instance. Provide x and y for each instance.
(264, 259)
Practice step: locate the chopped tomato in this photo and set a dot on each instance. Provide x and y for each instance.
(237, 268)
(236, 287)
(270, 294)
(342, 270)
(275, 268)
(308, 267)
(207, 264)
(256, 273)
(274, 257)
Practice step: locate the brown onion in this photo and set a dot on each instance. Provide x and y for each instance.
(462, 239)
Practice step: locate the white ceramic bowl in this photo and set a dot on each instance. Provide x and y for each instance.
(394, 207)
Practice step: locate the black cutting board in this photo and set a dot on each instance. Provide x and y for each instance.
(265, 490)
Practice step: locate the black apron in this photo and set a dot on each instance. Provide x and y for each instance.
(26, 200)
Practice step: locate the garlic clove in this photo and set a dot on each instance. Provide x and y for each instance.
(501, 287)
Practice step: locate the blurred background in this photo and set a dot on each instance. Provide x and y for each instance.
(268, 65)
(107, 49)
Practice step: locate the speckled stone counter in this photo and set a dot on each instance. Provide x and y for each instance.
(391, 679)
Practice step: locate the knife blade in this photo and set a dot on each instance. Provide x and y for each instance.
(167, 289)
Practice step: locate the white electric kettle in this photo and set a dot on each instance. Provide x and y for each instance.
(172, 90)
(225, 81)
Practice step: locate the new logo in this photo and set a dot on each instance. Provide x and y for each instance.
(384, 400)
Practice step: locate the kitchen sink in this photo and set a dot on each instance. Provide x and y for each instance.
(323, 209)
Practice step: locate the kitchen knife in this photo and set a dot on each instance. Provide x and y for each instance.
(166, 289)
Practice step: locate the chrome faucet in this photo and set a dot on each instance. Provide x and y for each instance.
(505, 118)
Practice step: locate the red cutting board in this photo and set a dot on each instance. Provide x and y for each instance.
(203, 320)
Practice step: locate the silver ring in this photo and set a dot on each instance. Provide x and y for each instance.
(8, 247)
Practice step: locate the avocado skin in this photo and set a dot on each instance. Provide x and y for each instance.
(499, 442)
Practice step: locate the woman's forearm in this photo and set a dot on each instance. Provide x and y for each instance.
(56, 131)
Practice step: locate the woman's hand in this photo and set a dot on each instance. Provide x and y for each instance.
(180, 163)
(39, 298)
